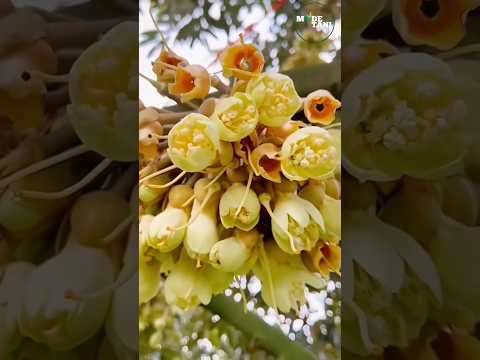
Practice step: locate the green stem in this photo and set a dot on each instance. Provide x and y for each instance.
(271, 338)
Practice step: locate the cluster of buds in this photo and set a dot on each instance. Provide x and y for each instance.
(246, 183)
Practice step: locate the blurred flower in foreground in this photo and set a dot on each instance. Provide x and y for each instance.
(403, 116)
(439, 23)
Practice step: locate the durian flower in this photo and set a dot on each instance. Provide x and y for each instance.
(202, 230)
(239, 207)
(191, 82)
(163, 65)
(236, 117)
(275, 97)
(400, 124)
(297, 225)
(233, 253)
(148, 131)
(324, 259)
(439, 23)
(265, 161)
(49, 315)
(243, 61)
(284, 278)
(320, 107)
(310, 153)
(193, 143)
(103, 87)
(166, 230)
(188, 286)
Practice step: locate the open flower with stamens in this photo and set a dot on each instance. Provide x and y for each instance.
(439, 23)
(310, 153)
(243, 61)
(191, 82)
(400, 124)
(265, 161)
(320, 107)
(297, 225)
(284, 277)
(193, 143)
(236, 117)
(163, 66)
(239, 207)
(276, 98)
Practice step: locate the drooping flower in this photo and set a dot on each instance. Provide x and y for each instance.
(191, 82)
(243, 61)
(284, 277)
(193, 143)
(320, 107)
(235, 213)
(439, 23)
(202, 230)
(310, 153)
(233, 253)
(276, 98)
(188, 286)
(236, 117)
(296, 224)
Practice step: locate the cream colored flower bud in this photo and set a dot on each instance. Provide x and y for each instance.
(297, 224)
(232, 254)
(245, 217)
(166, 230)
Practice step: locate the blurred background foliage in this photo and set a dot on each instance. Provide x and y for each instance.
(276, 33)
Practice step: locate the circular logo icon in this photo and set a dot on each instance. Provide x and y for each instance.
(314, 16)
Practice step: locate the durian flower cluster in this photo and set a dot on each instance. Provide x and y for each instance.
(248, 182)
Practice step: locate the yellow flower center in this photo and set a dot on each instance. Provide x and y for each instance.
(402, 120)
(188, 139)
(279, 99)
(312, 152)
(238, 116)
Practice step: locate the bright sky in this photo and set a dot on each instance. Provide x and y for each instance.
(198, 54)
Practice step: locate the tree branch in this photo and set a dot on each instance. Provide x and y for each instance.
(269, 337)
